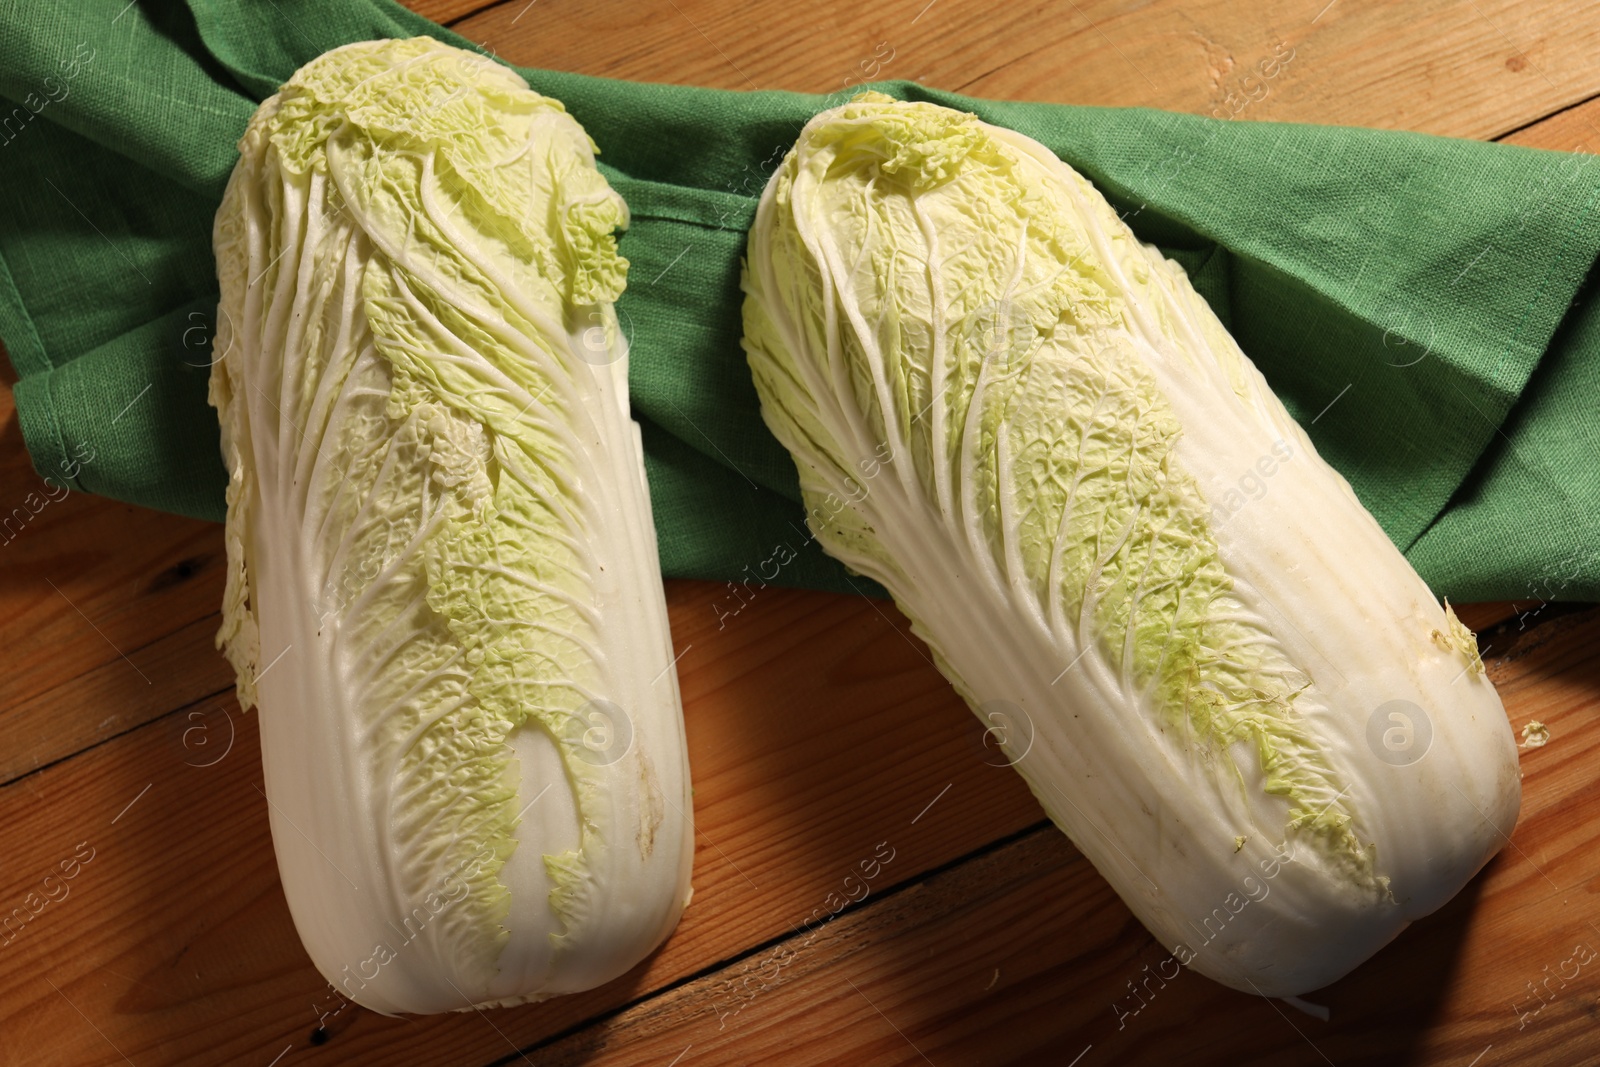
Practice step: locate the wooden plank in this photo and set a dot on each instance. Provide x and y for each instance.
(101, 702)
(1575, 129)
(1041, 941)
(1467, 68)
(101, 603)
(817, 729)
(448, 11)
(1026, 955)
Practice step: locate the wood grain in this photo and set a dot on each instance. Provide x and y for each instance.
(103, 613)
(447, 11)
(1466, 68)
(1573, 129)
(817, 728)
(103, 702)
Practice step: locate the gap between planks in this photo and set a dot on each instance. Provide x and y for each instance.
(152, 721)
(710, 970)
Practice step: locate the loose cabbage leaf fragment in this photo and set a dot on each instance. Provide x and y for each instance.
(443, 590)
(1033, 432)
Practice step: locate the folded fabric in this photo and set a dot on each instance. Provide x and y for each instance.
(1413, 299)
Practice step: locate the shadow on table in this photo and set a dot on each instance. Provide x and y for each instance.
(1384, 1013)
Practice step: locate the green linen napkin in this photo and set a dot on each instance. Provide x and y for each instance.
(1416, 301)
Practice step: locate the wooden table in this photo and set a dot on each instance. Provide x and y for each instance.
(820, 734)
